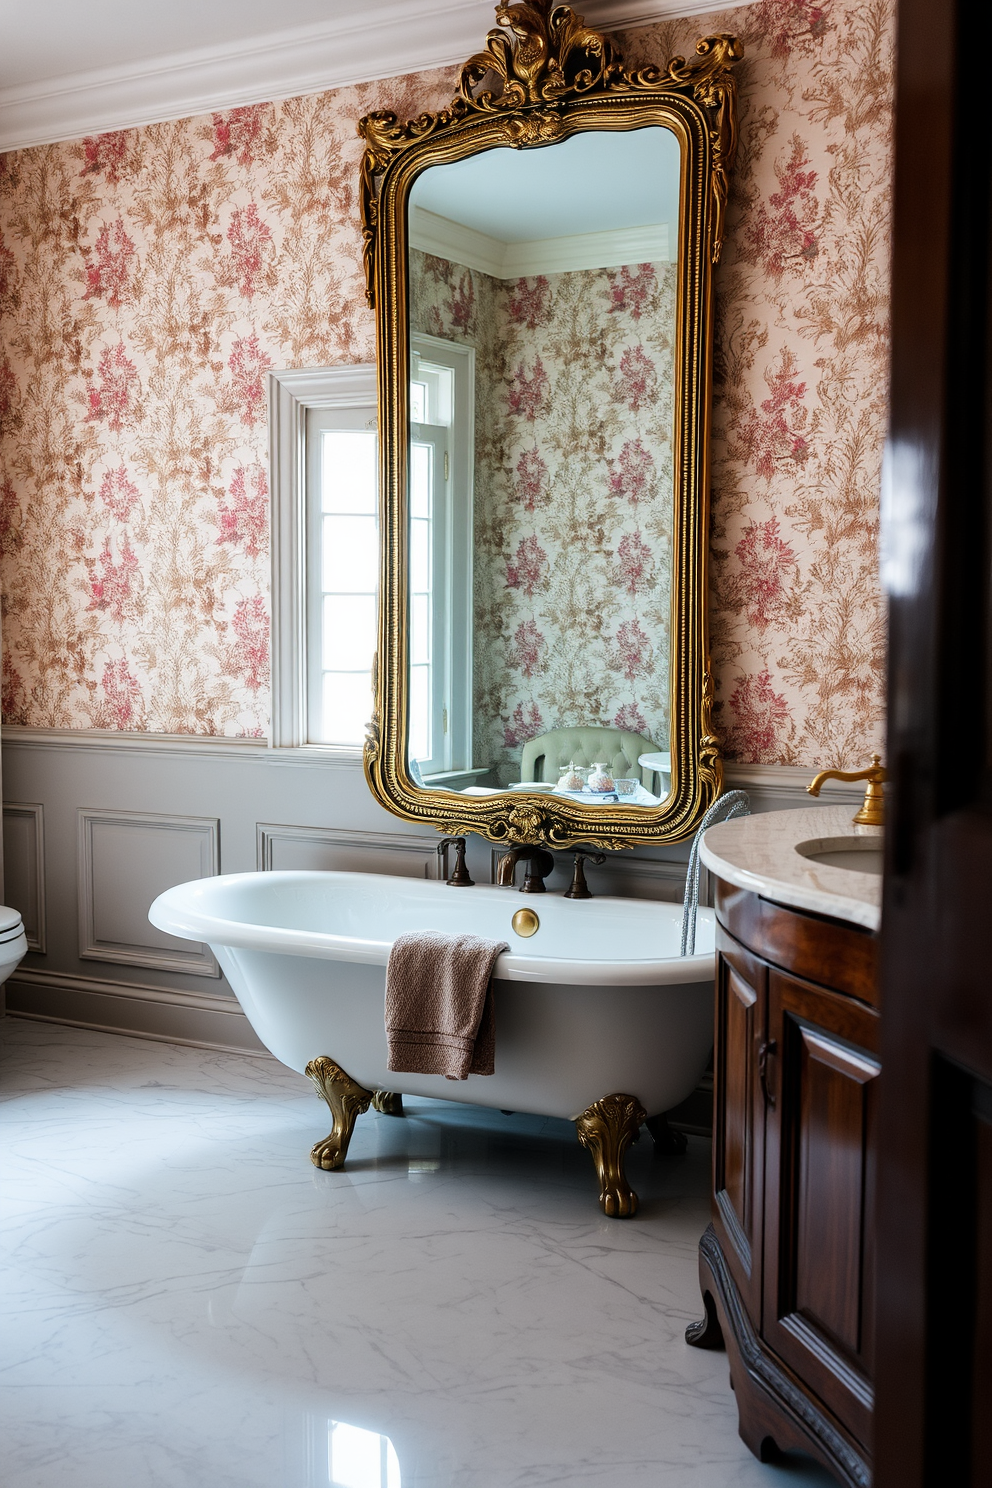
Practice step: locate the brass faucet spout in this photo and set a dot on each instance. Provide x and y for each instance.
(872, 812)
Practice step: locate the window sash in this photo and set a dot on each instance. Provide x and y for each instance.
(330, 595)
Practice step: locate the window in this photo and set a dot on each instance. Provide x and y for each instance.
(342, 572)
(322, 435)
(442, 458)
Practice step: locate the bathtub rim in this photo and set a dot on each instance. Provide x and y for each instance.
(179, 911)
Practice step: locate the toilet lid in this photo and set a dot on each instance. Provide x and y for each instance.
(10, 922)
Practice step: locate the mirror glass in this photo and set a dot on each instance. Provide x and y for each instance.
(543, 299)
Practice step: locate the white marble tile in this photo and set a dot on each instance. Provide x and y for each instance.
(188, 1302)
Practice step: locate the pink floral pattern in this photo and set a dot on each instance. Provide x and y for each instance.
(115, 393)
(109, 268)
(572, 593)
(114, 582)
(252, 263)
(121, 705)
(119, 494)
(153, 363)
(245, 522)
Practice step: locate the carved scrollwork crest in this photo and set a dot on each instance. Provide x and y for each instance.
(550, 56)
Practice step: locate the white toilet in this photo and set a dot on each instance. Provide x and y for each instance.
(13, 941)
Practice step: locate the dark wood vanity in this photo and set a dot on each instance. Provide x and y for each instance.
(787, 1264)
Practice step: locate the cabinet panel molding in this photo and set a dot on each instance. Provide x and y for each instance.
(819, 1259)
(737, 1170)
(797, 1078)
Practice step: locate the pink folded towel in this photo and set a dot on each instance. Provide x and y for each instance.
(439, 1004)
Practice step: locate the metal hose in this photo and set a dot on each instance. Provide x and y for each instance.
(730, 804)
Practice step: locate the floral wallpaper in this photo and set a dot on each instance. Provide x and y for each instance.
(150, 278)
(573, 495)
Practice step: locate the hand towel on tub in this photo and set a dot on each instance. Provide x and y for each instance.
(439, 1004)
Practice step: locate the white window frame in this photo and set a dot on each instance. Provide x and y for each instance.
(291, 395)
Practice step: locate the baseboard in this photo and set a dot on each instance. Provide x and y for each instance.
(130, 1008)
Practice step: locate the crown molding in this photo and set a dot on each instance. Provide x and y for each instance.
(386, 38)
(463, 245)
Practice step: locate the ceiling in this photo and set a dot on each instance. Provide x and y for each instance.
(69, 68)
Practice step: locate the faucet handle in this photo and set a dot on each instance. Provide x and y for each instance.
(460, 877)
(872, 811)
(579, 888)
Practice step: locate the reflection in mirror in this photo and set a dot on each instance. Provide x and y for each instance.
(542, 335)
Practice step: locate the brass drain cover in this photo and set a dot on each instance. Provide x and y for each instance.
(525, 923)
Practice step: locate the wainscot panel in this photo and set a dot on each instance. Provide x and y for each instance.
(115, 818)
(24, 867)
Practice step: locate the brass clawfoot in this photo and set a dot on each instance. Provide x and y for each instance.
(347, 1101)
(388, 1103)
(606, 1129)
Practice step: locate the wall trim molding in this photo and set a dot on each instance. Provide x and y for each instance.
(778, 786)
(205, 746)
(385, 38)
(781, 785)
(267, 834)
(184, 958)
(208, 1002)
(34, 811)
(133, 1010)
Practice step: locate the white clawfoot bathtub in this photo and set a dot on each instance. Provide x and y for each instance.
(597, 1002)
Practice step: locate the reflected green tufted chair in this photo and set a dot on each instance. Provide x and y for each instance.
(545, 757)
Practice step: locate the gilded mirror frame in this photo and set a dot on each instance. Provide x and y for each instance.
(553, 79)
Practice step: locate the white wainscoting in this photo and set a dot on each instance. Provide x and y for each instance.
(97, 824)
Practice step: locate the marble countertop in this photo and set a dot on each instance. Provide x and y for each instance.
(759, 853)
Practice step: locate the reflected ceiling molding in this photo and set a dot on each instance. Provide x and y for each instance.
(382, 39)
(477, 250)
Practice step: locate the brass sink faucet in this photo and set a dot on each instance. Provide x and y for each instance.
(872, 813)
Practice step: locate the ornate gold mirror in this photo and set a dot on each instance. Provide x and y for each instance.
(540, 259)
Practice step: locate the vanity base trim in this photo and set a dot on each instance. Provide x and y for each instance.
(774, 1413)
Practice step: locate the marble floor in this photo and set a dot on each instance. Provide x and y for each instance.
(188, 1303)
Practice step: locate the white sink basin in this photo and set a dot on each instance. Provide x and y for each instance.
(855, 854)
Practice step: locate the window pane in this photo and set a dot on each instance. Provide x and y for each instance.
(347, 699)
(349, 632)
(418, 402)
(420, 629)
(420, 712)
(351, 555)
(420, 479)
(420, 557)
(348, 470)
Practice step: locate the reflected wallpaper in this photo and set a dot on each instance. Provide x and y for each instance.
(150, 278)
(573, 495)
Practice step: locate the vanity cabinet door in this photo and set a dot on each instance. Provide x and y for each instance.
(822, 1088)
(738, 1128)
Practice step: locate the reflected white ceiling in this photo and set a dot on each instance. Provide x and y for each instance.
(590, 183)
(73, 67)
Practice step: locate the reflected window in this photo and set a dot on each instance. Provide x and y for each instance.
(343, 564)
(442, 400)
(357, 1458)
